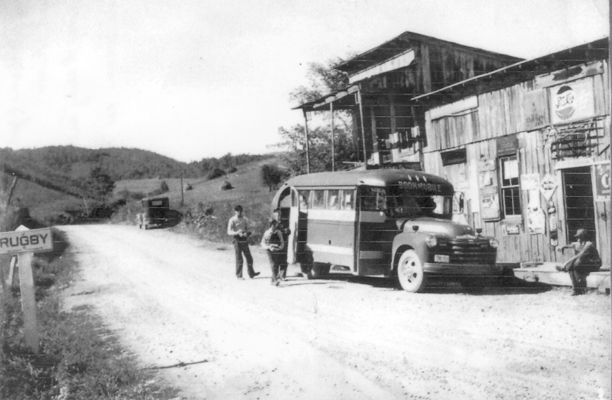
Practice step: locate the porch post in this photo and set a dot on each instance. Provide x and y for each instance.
(307, 141)
(333, 151)
(609, 206)
(363, 142)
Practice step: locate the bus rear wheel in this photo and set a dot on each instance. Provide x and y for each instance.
(318, 271)
(410, 274)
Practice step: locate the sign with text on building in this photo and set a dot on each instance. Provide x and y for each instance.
(548, 185)
(22, 241)
(572, 101)
(602, 182)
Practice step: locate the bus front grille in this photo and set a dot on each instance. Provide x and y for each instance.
(471, 252)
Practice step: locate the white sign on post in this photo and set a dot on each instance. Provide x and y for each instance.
(25, 242)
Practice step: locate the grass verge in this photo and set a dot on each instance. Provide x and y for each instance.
(79, 358)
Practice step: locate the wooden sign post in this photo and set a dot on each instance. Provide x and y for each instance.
(25, 242)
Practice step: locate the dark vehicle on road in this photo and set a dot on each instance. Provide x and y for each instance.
(157, 214)
(382, 223)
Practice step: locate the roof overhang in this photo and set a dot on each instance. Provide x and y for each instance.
(342, 99)
(396, 62)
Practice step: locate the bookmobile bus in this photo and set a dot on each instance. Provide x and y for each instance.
(392, 223)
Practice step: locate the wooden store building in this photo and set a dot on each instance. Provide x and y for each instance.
(527, 149)
(524, 142)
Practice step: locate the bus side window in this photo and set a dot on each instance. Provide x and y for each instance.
(347, 199)
(318, 199)
(333, 201)
(303, 197)
(373, 199)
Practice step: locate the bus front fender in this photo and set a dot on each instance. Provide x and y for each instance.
(409, 240)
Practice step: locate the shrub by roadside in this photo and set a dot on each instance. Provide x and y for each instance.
(79, 358)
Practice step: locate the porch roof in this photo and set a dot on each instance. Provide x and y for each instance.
(341, 99)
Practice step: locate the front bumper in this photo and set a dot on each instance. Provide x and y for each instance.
(484, 270)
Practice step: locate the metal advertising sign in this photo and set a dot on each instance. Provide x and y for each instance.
(602, 182)
(489, 203)
(572, 101)
(35, 240)
(548, 185)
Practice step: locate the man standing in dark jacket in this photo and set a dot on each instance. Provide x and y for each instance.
(283, 253)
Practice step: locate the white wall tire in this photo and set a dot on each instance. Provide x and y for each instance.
(410, 273)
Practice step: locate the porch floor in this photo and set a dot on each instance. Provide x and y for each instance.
(548, 274)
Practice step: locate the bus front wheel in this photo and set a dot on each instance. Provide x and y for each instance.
(410, 273)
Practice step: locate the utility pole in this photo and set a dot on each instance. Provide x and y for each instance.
(333, 150)
(182, 191)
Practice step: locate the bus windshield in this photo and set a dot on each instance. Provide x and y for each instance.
(405, 203)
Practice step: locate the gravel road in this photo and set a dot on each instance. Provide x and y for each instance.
(172, 300)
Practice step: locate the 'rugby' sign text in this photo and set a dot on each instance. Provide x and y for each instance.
(35, 240)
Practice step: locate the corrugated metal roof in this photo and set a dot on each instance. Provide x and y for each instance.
(402, 43)
(525, 69)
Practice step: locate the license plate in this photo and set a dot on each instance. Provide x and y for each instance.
(441, 258)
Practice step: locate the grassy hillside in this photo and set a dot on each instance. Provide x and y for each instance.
(249, 191)
(53, 180)
(76, 163)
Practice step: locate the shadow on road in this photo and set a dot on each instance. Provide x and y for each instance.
(504, 287)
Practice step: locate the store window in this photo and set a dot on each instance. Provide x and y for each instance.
(509, 185)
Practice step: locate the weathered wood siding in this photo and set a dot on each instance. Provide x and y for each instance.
(435, 66)
(521, 109)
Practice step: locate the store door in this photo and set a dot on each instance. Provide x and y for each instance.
(579, 206)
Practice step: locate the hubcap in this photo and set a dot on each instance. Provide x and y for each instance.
(410, 271)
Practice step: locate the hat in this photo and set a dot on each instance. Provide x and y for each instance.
(581, 234)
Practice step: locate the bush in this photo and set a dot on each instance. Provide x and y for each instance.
(163, 186)
(226, 186)
(232, 170)
(272, 175)
(215, 173)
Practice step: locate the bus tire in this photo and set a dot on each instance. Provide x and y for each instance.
(410, 274)
(318, 271)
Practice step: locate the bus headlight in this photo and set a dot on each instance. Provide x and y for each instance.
(431, 241)
(493, 243)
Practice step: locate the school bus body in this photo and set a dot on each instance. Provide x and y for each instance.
(381, 223)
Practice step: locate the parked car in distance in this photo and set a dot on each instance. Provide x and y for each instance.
(157, 214)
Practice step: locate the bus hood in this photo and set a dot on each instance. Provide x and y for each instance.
(436, 226)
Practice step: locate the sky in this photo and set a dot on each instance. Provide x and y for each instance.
(200, 78)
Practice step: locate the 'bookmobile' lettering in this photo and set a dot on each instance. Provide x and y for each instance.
(424, 186)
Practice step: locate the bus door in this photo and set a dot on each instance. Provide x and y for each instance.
(331, 228)
(375, 232)
(294, 227)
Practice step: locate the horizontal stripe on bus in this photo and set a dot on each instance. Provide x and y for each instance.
(325, 248)
(370, 255)
(347, 215)
(332, 215)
